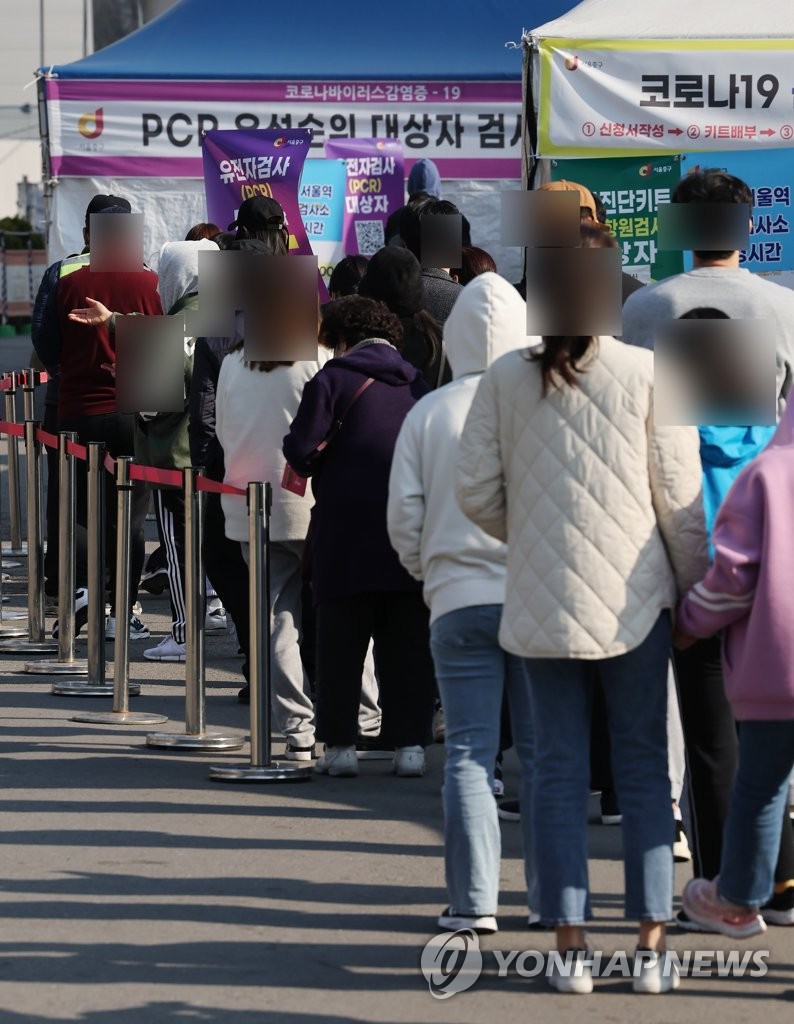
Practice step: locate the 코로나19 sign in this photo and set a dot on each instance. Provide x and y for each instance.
(643, 96)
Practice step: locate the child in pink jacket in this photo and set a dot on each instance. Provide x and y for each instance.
(747, 594)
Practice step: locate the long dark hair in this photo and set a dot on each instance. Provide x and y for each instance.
(560, 360)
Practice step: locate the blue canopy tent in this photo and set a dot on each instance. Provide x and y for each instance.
(444, 77)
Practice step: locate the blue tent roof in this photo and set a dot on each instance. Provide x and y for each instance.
(322, 40)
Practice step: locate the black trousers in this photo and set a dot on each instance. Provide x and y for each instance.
(50, 425)
(169, 507)
(116, 430)
(225, 566)
(712, 753)
(399, 625)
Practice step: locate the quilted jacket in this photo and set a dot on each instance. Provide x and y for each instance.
(602, 512)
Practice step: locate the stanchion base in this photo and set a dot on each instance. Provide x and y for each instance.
(20, 552)
(273, 772)
(198, 741)
(12, 616)
(12, 632)
(120, 718)
(88, 690)
(78, 667)
(28, 646)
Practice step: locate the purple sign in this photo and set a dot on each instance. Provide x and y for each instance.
(375, 189)
(256, 162)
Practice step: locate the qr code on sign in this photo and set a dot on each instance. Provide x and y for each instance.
(369, 236)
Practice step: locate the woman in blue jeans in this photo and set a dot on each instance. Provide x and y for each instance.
(464, 573)
(603, 518)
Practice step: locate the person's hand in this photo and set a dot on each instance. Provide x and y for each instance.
(93, 315)
(110, 367)
(682, 641)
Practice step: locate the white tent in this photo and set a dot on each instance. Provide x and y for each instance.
(618, 46)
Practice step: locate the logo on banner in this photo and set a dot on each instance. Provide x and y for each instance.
(91, 126)
(645, 170)
(571, 63)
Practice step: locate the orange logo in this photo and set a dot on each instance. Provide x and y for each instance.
(645, 170)
(280, 142)
(571, 63)
(90, 126)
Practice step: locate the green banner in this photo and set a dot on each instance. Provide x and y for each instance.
(631, 189)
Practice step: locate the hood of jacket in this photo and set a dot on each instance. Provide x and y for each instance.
(424, 177)
(732, 446)
(380, 361)
(488, 319)
(178, 270)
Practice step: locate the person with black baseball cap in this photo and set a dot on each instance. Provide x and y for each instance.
(263, 218)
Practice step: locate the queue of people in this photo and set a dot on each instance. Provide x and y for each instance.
(467, 515)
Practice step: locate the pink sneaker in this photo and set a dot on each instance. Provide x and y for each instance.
(705, 906)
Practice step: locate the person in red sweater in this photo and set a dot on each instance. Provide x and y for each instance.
(87, 402)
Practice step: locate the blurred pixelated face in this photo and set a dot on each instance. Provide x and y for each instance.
(277, 296)
(441, 240)
(541, 219)
(716, 372)
(574, 292)
(116, 242)
(150, 364)
(704, 227)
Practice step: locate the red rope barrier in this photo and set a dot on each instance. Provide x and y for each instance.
(213, 487)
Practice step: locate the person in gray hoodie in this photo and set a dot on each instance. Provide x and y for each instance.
(464, 573)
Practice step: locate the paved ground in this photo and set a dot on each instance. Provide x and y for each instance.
(137, 891)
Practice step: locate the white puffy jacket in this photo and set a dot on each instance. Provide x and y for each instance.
(460, 564)
(602, 512)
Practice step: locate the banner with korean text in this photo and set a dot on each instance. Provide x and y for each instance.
(239, 165)
(321, 200)
(375, 189)
(632, 190)
(650, 96)
(154, 128)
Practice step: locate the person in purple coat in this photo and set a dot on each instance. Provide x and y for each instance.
(343, 437)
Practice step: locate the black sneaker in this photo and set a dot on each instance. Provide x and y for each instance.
(154, 582)
(686, 923)
(610, 809)
(780, 909)
(244, 694)
(80, 613)
(509, 810)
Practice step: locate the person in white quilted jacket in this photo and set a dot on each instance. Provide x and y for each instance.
(603, 518)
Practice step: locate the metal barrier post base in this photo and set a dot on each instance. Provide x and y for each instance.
(119, 718)
(28, 646)
(20, 552)
(88, 690)
(273, 772)
(9, 565)
(196, 741)
(78, 667)
(11, 616)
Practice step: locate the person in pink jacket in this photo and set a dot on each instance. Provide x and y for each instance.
(746, 594)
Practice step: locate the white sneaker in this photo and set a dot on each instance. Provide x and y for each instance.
(484, 924)
(338, 761)
(167, 650)
(138, 631)
(409, 762)
(654, 973)
(681, 852)
(215, 619)
(573, 976)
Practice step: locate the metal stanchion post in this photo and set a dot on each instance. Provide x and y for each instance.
(36, 642)
(66, 663)
(15, 546)
(261, 768)
(96, 684)
(195, 736)
(121, 714)
(12, 624)
(29, 394)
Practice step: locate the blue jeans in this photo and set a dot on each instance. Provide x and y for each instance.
(473, 674)
(635, 690)
(752, 832)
